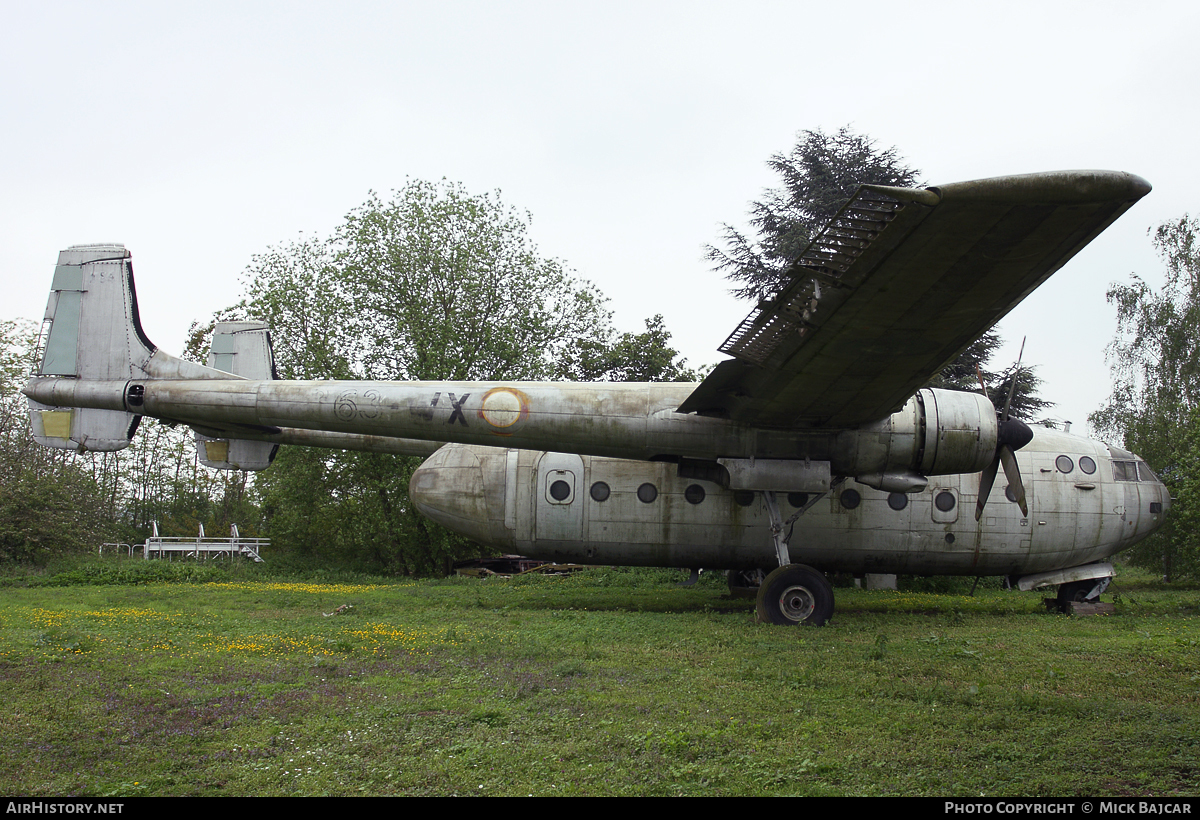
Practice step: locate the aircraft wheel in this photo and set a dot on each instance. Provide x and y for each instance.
(1074, 592)
(795, 594)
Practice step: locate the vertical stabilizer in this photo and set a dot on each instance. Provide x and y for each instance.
(92, 333)
(91, 330)
(243, 349)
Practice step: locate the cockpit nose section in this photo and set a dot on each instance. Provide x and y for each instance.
(1146, 498)
(449, 489)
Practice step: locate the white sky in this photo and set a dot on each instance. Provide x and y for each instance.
(200, 134)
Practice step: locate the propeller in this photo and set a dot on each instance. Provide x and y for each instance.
(1012, 436)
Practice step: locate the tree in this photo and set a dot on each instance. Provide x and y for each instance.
(52, 502)
(446, 285)
(818, 176)
(432, 283)
(1154, 409)
(965, 371)
(630, 357)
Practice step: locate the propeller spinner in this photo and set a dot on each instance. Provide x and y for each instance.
(1013, 435)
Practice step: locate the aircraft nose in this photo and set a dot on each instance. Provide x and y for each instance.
(448, 488)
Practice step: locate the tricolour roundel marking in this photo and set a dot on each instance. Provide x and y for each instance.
(504, 408)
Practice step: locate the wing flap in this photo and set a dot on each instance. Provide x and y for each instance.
(878, 305)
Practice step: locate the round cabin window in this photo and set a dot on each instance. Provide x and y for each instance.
(647, 493)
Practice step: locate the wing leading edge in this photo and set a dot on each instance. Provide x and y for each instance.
(899, 283)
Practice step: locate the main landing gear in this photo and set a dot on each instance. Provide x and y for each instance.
(795, 594)
(791, 594)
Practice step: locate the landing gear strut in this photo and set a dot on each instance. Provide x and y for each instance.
(791, 594)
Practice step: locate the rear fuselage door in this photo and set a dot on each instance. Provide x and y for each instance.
(557, 505)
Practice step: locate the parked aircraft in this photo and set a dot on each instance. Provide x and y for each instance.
(812, 450)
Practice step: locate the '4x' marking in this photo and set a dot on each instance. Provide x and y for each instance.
(456, 405)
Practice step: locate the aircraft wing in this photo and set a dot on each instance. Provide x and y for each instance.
(896, 286)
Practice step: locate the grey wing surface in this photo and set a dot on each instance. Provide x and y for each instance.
(896, 286)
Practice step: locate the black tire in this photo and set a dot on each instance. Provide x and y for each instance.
(795, 594)
(1074, 592)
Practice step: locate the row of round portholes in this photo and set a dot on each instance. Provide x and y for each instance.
(647, 493)
(945, 500)
(1065, 465)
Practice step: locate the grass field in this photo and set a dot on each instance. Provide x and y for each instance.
(607, 682)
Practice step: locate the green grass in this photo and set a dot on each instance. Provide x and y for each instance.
(607, 682)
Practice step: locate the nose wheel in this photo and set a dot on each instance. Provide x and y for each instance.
(795, 594)
(1081, 592)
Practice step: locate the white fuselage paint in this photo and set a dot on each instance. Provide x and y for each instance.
(1074, 517)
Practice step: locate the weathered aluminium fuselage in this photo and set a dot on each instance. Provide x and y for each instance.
(1086, 503)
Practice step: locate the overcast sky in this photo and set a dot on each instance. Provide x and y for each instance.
(200, 134)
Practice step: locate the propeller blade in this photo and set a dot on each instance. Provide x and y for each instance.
(1013, 474)
(986, 479)
(1013, 434)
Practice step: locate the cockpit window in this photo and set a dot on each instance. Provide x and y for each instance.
(1125, 470)
(1144, 472)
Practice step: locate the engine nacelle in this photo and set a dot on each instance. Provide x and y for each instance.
(937, 432)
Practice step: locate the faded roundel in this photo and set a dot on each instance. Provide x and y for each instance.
(503, 408)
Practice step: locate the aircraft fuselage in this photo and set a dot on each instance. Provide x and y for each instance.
(571, 508)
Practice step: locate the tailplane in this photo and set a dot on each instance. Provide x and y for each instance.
(93, 351)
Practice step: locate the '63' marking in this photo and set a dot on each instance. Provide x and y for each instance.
(347, 405)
